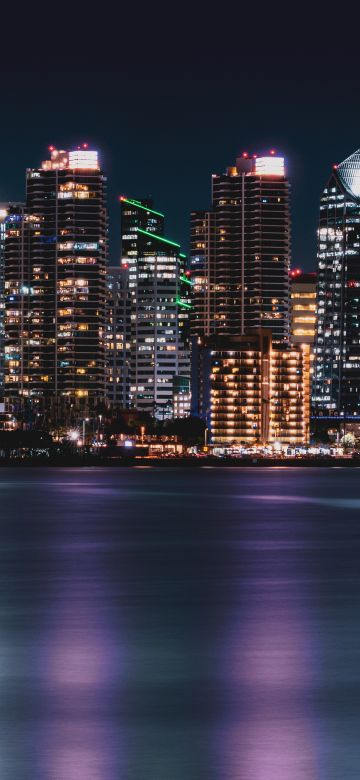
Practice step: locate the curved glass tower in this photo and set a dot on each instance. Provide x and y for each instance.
(336, 385)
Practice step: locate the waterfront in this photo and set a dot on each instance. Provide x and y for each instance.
(180, 624)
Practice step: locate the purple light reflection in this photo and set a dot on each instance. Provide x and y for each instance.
(270, 730)
(78, 750)
(80, 651)
(80, 669)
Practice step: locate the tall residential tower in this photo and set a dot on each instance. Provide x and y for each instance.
(240, 251)
(55, 288)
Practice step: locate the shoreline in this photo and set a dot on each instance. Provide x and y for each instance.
(196, 463)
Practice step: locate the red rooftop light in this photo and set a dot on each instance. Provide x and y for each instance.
(245, 154)
(51, 148)
(272, 151)
(85, 146)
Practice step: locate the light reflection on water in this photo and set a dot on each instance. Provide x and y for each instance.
(270, 669)
(81, 661)
(179, 625)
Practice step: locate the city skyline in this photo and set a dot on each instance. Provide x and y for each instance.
(240, 258)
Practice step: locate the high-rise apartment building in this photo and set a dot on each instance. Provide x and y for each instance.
(4, 207)
(336, 385)
(240, 251)
(303, 307)
(159, 289)
(22, 233)
(55, 288)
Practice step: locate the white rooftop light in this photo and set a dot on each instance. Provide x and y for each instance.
(82, 158)
(270, 166)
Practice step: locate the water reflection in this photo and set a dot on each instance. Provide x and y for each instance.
(80, 655)
(271, 727)
(179, 625)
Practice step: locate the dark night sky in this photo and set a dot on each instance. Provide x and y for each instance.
(171, 95)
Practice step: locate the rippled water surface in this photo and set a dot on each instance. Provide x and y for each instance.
(180, 624)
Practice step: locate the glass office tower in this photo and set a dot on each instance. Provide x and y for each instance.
(336, 385)
(159, 289)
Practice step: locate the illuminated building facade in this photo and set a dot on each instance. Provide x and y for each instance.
(138, 216)
(22, 233)
(159, 289)
(55, 288)
(118, 337)
(289, 406)
(303, 307)
(251, 391)
(3, 214)
(336, 385)
(181, 396)
(239, 389)
(240, 252)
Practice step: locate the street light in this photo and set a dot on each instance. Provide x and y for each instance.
(85, 420)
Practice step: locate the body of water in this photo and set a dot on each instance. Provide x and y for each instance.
(180, 624)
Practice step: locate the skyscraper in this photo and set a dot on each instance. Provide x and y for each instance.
(21, 333)
(55, 287)
(159, 289)
(240, 251)
(3, 215)
(336, 386)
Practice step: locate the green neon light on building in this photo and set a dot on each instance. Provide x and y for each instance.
(185, 279)
(141, 206)
(159, 238)
(182, 303)
(182, 255)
